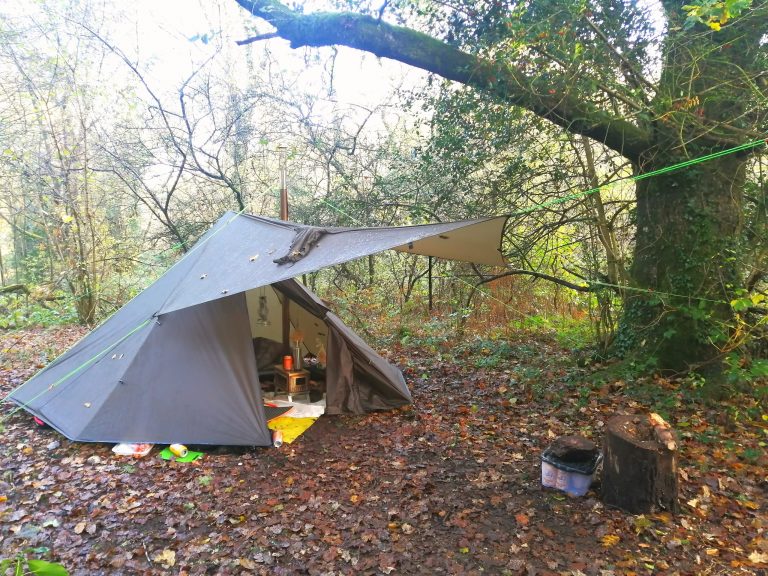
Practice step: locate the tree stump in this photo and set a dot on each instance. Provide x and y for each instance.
(640, 465)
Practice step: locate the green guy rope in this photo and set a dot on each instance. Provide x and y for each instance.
(98, 355)
(657, 293)
(678, 166)
(72, 372)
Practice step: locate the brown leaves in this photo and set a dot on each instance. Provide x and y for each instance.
(88, 528)
(450, 485)
(247, 564)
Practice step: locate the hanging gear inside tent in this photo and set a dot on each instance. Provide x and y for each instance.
(263, 308)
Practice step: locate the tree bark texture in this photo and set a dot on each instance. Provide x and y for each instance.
(639, 465)
(685, 265)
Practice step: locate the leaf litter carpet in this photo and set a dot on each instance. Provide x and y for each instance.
(450, 485)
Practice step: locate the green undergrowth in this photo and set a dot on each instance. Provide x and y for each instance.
(22, 311)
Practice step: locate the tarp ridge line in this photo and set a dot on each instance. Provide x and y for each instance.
(680, 165)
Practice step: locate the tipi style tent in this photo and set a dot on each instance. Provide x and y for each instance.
(177, 363)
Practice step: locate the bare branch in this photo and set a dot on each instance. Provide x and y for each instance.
(541, 275)
(635, 75)
(258, 38)
(422, 51)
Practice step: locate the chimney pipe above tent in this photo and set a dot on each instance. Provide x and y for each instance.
(283, 183)
(286, 316)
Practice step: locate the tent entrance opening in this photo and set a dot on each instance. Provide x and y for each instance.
(305, 381)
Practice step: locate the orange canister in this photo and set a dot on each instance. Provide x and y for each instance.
(288, 362)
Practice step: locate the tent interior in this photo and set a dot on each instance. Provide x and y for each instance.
(265, 314)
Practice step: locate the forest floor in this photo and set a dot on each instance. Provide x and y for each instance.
(449, 485)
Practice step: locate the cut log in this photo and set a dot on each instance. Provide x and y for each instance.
(640, 465)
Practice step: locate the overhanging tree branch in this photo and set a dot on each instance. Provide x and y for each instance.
(521, 271)
(541, 275)
(257, 38)
(504, 81)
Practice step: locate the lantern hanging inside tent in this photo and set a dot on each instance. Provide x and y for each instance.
(263, 311)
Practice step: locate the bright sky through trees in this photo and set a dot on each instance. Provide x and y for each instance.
(177, 36)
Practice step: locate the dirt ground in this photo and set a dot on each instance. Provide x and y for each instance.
(450, 485)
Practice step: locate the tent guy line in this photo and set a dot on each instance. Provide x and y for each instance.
(635, 178)
(581, 193)
(680, 165)
(209, 236)
(69, 374)
(198, 245)
(106, 350)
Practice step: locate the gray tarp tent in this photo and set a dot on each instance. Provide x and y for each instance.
(177, 363)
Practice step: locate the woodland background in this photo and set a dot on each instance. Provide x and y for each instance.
(126, 130)
(116, 157)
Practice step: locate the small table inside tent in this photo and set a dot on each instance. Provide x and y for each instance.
(293, 382)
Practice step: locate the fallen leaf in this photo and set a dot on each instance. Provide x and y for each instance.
(610, 540)
(166, 557)
(522, 519)
(641, 524)
(759, 557)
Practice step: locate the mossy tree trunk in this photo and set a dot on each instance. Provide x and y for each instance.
(689, 222)
(685, 267)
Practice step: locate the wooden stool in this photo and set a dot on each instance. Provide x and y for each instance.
(292, 381)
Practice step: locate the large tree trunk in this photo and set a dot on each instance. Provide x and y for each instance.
(689, 220)
(684, 269)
